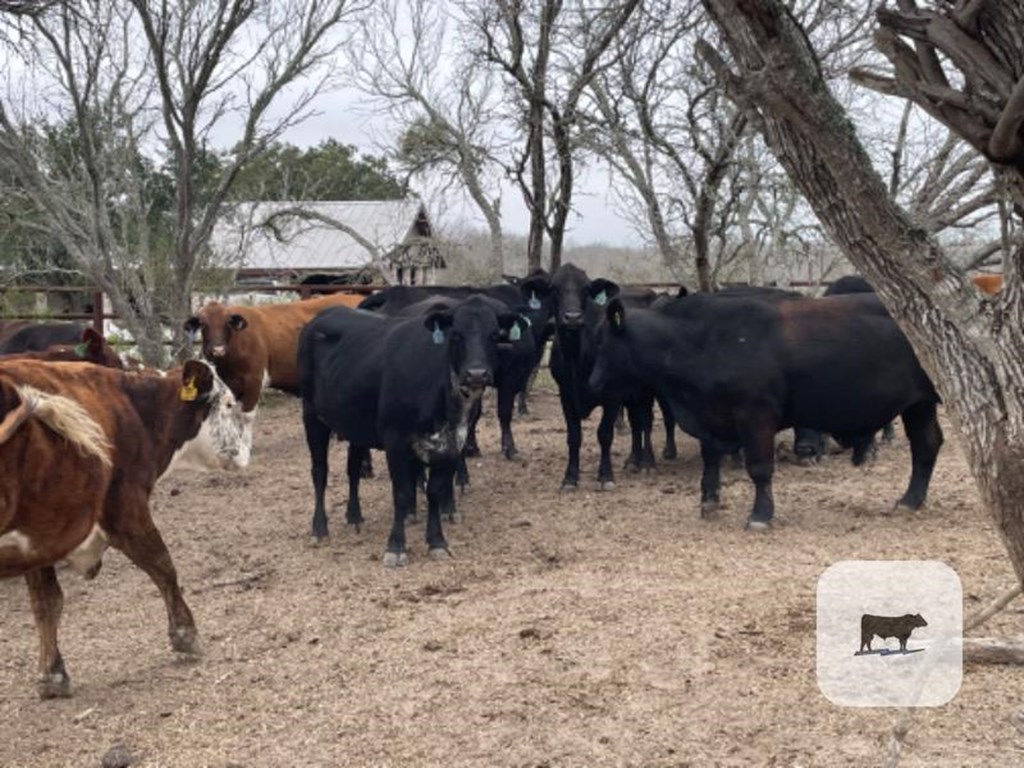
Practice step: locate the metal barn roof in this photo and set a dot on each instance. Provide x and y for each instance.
(316, 241)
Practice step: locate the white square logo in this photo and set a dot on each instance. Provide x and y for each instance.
(890, 633)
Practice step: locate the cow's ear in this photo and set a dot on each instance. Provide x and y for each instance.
(196, 381)
(438, 323)
(93, 340)
(602, 291)
(616, 314)
(513, 326)
(191, 325)
(534, 289)
(237, 322)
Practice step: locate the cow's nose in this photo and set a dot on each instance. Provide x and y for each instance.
(477, 377)
(572, 317)
(218, 351)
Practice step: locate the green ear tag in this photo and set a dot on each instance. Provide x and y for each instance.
(534, 302)
(438, 334)
(514, 334)
(81, 349)
(601, 298)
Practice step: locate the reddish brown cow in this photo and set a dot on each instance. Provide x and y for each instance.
(254, 347)
(81, 448)
(93, 349)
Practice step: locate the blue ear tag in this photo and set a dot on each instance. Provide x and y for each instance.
(514, 334)
(601, 298)
(438, 334)
(534, 302)
(192, 336)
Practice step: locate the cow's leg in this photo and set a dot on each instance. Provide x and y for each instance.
(758, 438)
(404, 469)
(888, 433)
(710, 477)
(922, 427)
(669, 451)
(133, 532)
(461, 472)
(506, 403)
(903, 642)
(357, 458)
(808, 443)
(605, 436)
(440, 497)
(524, 395)
(470, 447)
(636, 444)
(573, 439)
(318, 440)
(47, 604)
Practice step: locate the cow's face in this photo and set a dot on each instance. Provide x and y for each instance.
(222, 438)
(918, 620)
(572, 294)
(473, 330)
(613, 361)
(217, 326)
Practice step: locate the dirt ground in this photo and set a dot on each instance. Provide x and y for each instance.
(584, 629)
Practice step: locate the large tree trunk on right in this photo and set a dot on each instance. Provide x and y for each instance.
(972, 346)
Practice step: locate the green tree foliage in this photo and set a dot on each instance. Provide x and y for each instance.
(329, 171)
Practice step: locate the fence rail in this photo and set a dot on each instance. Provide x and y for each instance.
(304, 290)
(97, 316)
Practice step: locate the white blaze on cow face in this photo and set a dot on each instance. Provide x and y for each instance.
(85, 558)
(224, 440)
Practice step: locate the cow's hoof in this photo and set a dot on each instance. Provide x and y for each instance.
(511, 454)
(440, 553)
(606, 485)
(54, 686)
(395, 559)
(471, 451)
(670, 453)
(186, 640)
(709, 509)
(758, 526)
(568, 485)
(93, 572)
(319, 541)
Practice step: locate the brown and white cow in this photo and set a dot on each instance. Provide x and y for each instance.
(256, 347)
(81, 448)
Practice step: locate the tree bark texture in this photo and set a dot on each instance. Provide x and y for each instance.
(971, 345)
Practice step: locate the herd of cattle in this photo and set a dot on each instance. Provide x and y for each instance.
(82, 444)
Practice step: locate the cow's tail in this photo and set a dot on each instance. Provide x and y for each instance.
(62, 415)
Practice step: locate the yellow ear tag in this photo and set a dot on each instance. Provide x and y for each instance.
(189, 391)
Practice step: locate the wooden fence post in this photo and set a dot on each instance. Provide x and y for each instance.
(97, 312)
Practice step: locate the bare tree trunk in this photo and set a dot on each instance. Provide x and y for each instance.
(972, 347)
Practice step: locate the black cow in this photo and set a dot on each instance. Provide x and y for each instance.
(405, 385)
(577, 303)
(517, 363)
(16, 338)
(849, 284)
(809, 443)
(899, 627)
(742, 369)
